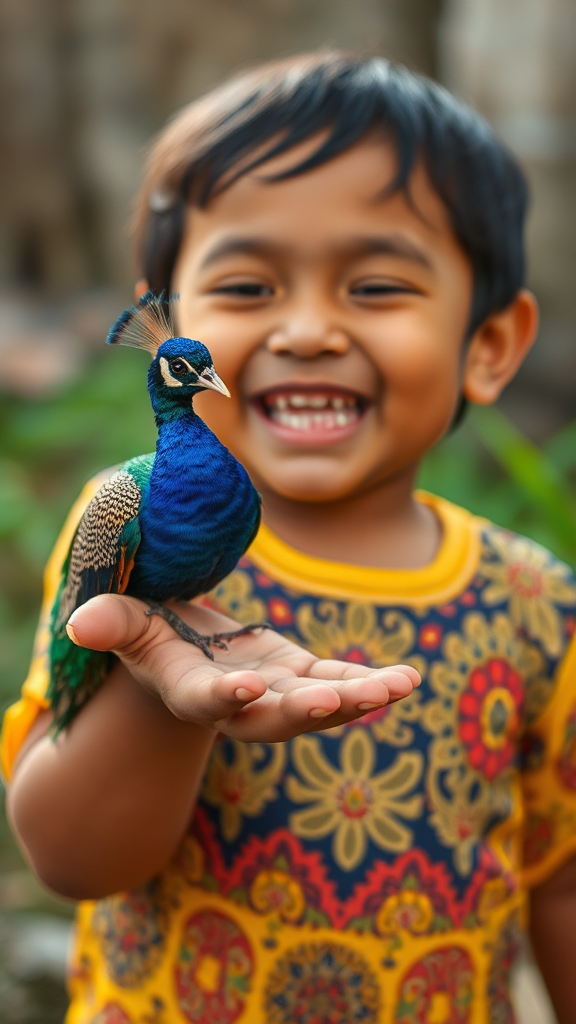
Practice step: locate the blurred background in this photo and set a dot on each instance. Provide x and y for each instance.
(84, 84)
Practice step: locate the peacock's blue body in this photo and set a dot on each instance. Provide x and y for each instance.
(167, 525)
(198, 514)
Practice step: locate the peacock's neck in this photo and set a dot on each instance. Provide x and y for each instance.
(166, 413)
(186, 440)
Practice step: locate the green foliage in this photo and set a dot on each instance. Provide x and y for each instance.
(50, 447)
(490, 467)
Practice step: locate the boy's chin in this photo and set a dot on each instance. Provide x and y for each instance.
(307, 484)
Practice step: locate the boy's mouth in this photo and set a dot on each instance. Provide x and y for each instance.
(312, 414)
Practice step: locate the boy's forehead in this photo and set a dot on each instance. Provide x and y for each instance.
(344, 198)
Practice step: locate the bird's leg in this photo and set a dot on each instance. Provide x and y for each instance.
(185, 631)
(242, 631)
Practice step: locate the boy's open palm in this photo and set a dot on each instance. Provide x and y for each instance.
(263, 688)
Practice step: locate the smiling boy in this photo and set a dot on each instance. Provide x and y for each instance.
(347, 241)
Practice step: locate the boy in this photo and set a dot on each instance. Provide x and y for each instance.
(347, 241)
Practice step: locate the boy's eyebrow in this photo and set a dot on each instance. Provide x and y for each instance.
(392, 245)
(238, 247)
(387, 245)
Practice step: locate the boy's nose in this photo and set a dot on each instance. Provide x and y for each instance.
(307, 339)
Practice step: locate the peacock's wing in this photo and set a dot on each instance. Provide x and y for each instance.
(102, 551)
(100, 561)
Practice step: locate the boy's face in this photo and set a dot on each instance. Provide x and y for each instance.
(336, 317)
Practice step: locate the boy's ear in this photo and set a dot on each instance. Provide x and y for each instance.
(140, 289)
(498, 347)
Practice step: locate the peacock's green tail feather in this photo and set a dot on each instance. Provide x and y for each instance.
(76, 673)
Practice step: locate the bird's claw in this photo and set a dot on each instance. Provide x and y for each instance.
(185, 632)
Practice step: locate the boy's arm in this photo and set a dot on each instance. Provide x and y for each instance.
(105, 806)
(553, 936)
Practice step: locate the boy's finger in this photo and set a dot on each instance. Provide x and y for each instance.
(393, 676)
(110, 622)
(207, 697)
(280, 716)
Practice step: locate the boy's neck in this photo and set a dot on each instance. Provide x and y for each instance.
(382, 528)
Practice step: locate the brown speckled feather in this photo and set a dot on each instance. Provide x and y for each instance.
(97, 563)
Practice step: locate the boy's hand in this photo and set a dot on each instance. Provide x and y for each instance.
(263, 688)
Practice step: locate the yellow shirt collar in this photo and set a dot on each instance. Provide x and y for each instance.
(436, 583)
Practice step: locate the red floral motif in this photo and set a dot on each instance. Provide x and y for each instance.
(280, 611)
(489, 712)
(490, 886)
(206, 834)
(111, 1014)
(282, 852)
(538, 838)
(413, 872)
(438, 988)
(259, 577)
(430, 636)
(525, 579)
(566, 765)
(449, 610)
(469, 599)
(357, 655)
(371, 716)
(213, 969)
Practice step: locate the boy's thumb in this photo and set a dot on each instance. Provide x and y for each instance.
(108, 622)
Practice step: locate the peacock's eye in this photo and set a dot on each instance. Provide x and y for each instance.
(178, 366)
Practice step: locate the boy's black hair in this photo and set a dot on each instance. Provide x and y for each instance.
(341, 98)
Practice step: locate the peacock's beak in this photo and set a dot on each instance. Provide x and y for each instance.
(210, 379)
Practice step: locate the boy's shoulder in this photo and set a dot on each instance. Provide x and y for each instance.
(537, 587)
(516, 574)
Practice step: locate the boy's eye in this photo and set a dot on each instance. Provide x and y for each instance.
(371, 288)
(245, 289)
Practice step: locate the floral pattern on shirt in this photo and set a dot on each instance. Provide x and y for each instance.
(474, 718)
(243, 785)
(374, 871)
(532, 582)
(351, 802)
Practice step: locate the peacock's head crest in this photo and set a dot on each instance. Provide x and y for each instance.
(181, 367)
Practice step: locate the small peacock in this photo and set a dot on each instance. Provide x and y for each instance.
(171, 524)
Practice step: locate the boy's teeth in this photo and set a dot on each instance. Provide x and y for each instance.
(307, 411)
(310, 401)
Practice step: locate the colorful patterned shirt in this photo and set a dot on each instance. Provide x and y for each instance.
(375, 872)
